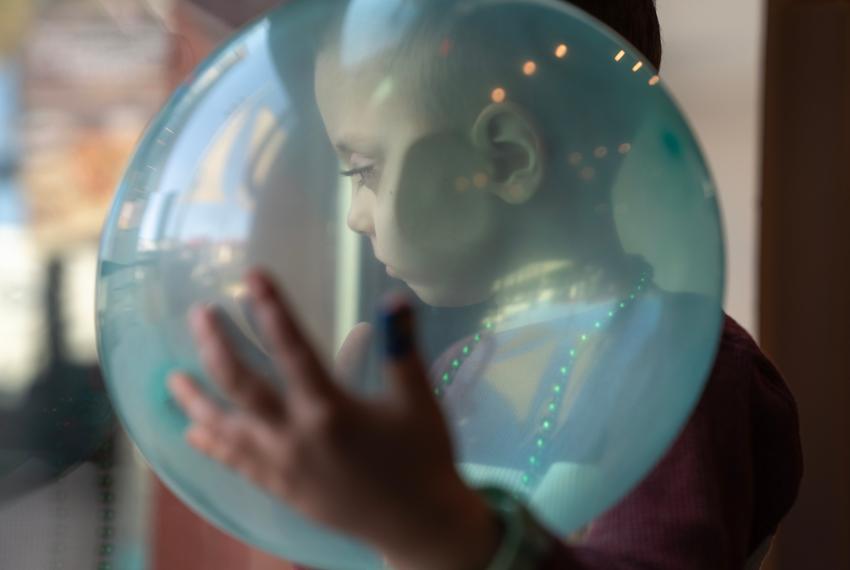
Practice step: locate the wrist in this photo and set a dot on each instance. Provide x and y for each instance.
(459, 531)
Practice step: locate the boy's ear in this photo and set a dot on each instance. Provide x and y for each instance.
(511, 146)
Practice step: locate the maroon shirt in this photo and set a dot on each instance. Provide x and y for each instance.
(723, 487)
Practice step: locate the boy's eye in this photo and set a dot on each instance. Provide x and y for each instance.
(364, 176)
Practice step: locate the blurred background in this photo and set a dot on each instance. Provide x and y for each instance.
(766, 86)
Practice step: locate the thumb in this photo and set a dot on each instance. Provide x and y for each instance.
(403, 366)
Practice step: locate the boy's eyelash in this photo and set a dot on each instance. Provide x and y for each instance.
(358, 170)
(362, 175)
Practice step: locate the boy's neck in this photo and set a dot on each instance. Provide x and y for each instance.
(564, 281)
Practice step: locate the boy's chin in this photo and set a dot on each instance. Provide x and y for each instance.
(440, 297)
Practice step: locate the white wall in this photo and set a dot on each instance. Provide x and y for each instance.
(713, 65)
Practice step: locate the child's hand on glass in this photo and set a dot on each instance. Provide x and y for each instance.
(380, 470)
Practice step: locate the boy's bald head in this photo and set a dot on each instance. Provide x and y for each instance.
(438, 65)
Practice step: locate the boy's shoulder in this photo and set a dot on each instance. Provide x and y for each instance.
(748, 399)
(736, 342)
(741, 364)
(729, 478)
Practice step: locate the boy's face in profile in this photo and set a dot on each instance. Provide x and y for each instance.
(419, 190)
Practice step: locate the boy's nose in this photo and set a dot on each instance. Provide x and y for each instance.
(360, 218)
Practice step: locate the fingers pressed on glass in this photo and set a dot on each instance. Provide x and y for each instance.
(235, 445)
(209, 442)
(253, 449)
(201, 438)
(199, 407)
(243, 386)
(243, 443)
(291, 350)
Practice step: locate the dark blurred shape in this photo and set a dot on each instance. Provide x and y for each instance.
(805, 263)
(635, 20)
(63, 420)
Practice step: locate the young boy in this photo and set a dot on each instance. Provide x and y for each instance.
(713, 501)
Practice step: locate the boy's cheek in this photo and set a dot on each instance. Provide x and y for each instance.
(440, 196)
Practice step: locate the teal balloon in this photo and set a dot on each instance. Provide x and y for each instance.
(515, 166)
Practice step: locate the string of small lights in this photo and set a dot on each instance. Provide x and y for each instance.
(545, 427)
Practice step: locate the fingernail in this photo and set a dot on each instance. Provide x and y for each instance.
(398, 331)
